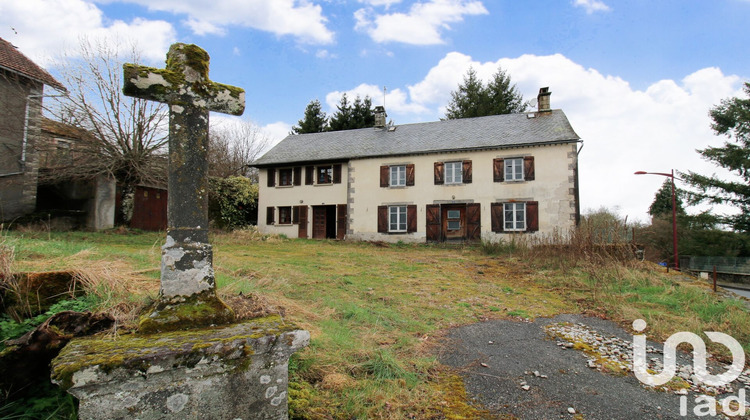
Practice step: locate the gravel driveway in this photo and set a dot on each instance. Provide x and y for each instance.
(562, 387)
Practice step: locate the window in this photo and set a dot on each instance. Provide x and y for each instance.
(285, 177)
(325, 174)
(398, 176)
(397, 219)
(454, 220)
(515, 216)
(514, 169)
(285, 215)
(453, 172)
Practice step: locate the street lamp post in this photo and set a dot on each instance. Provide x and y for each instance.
(674, 213)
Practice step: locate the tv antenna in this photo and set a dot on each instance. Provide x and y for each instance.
(384, 91)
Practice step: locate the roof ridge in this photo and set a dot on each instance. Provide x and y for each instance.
(15, 61)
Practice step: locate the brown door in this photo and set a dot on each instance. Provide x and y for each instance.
(302, 222)
(454, 222)
(319, 222)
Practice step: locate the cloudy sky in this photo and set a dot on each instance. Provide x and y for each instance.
(636, 78)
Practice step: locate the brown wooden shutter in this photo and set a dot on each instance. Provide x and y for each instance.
(532, 216)
(271, 177)
(337, 173)
(433, 227)
(528, 168)
(467, 172)
(295, 215)
(309, 175)
(340, 221)
(497, 213)
(383, 219)
(302, 233)
(439, 174)
(297, 175)
(498, 170)
(270, 215)
(410, 175)
(411, 218)
(385, 176)
(473, 221)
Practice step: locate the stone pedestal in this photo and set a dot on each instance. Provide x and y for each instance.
(233, 372)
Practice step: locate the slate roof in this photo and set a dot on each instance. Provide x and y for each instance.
(493, 132)
(13, 60)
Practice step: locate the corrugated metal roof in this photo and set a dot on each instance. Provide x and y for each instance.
(493, 132)
(13, 60)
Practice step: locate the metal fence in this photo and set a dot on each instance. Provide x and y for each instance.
(732, 265)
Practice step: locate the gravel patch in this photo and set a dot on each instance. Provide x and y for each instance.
(570, 366)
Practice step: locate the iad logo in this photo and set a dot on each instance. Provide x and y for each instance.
(640, 366)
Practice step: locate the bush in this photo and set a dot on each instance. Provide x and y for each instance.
(232, 202)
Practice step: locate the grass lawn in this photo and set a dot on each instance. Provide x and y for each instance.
(377, 313)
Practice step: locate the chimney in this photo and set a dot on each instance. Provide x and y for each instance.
(380, 116)
(543, 100)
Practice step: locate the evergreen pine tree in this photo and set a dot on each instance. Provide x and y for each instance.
(314, 121)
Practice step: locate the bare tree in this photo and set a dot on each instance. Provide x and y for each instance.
(233, 145)
(127, 135)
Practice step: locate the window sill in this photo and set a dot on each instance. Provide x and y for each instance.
(397, 187)
(284, 186)
(328, 184)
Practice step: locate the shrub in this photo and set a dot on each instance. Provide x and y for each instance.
(233, 202)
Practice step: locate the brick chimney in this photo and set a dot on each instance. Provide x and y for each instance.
(543, 100)
(380, 116)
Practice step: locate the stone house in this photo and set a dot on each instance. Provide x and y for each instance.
(455, 180)
(21, 90)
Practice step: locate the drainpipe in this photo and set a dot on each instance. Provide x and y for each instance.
(575, 185)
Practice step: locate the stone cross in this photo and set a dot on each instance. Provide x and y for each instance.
(187, 296)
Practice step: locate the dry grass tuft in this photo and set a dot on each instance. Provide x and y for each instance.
(252, 306)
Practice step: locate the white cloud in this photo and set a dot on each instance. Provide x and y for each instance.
(591, 6)
(624, 129)
(422, 25)
(386, 3)
(298, 18)
(47, 27)
(275, 132)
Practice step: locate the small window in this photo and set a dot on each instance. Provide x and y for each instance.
(398, 176)
(285, 177)
(514, 169)
(454, 172)
(454, 219)
(515, 216)
(325, 174)
(397, 219)
(285, 215)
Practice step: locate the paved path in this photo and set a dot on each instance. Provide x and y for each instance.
(520, 348)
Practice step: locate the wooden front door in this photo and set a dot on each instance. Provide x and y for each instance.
(454, 222)
(319, 222)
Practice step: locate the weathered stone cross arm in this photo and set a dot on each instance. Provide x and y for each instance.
(183, 82)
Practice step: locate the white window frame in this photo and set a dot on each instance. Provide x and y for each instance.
(291, 177)
(400, 225)
(516, 169)
(397, 175)
(454, 172)
(290, 209)
(517, 220)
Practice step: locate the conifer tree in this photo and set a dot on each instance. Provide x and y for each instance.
(314, 121)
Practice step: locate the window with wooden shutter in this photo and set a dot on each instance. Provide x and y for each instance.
(285, 215)
(496, 213)
(411, 218)
(295, 215)
(384, 176)
(271, 177)
(309, 175)
(285, 177)
(454, 172)
(270, 215)
(410, 175)
(532, 216)
(297, 175)
(337, 173)
(383, 219)
(528, 168)
(498, 174)
(467, 172)
(439, 175)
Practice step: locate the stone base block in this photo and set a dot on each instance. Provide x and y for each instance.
(233, 372)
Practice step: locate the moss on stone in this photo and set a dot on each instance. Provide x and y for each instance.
(139, 351)
(197, 311)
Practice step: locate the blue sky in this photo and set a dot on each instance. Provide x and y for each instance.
(636, 78)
